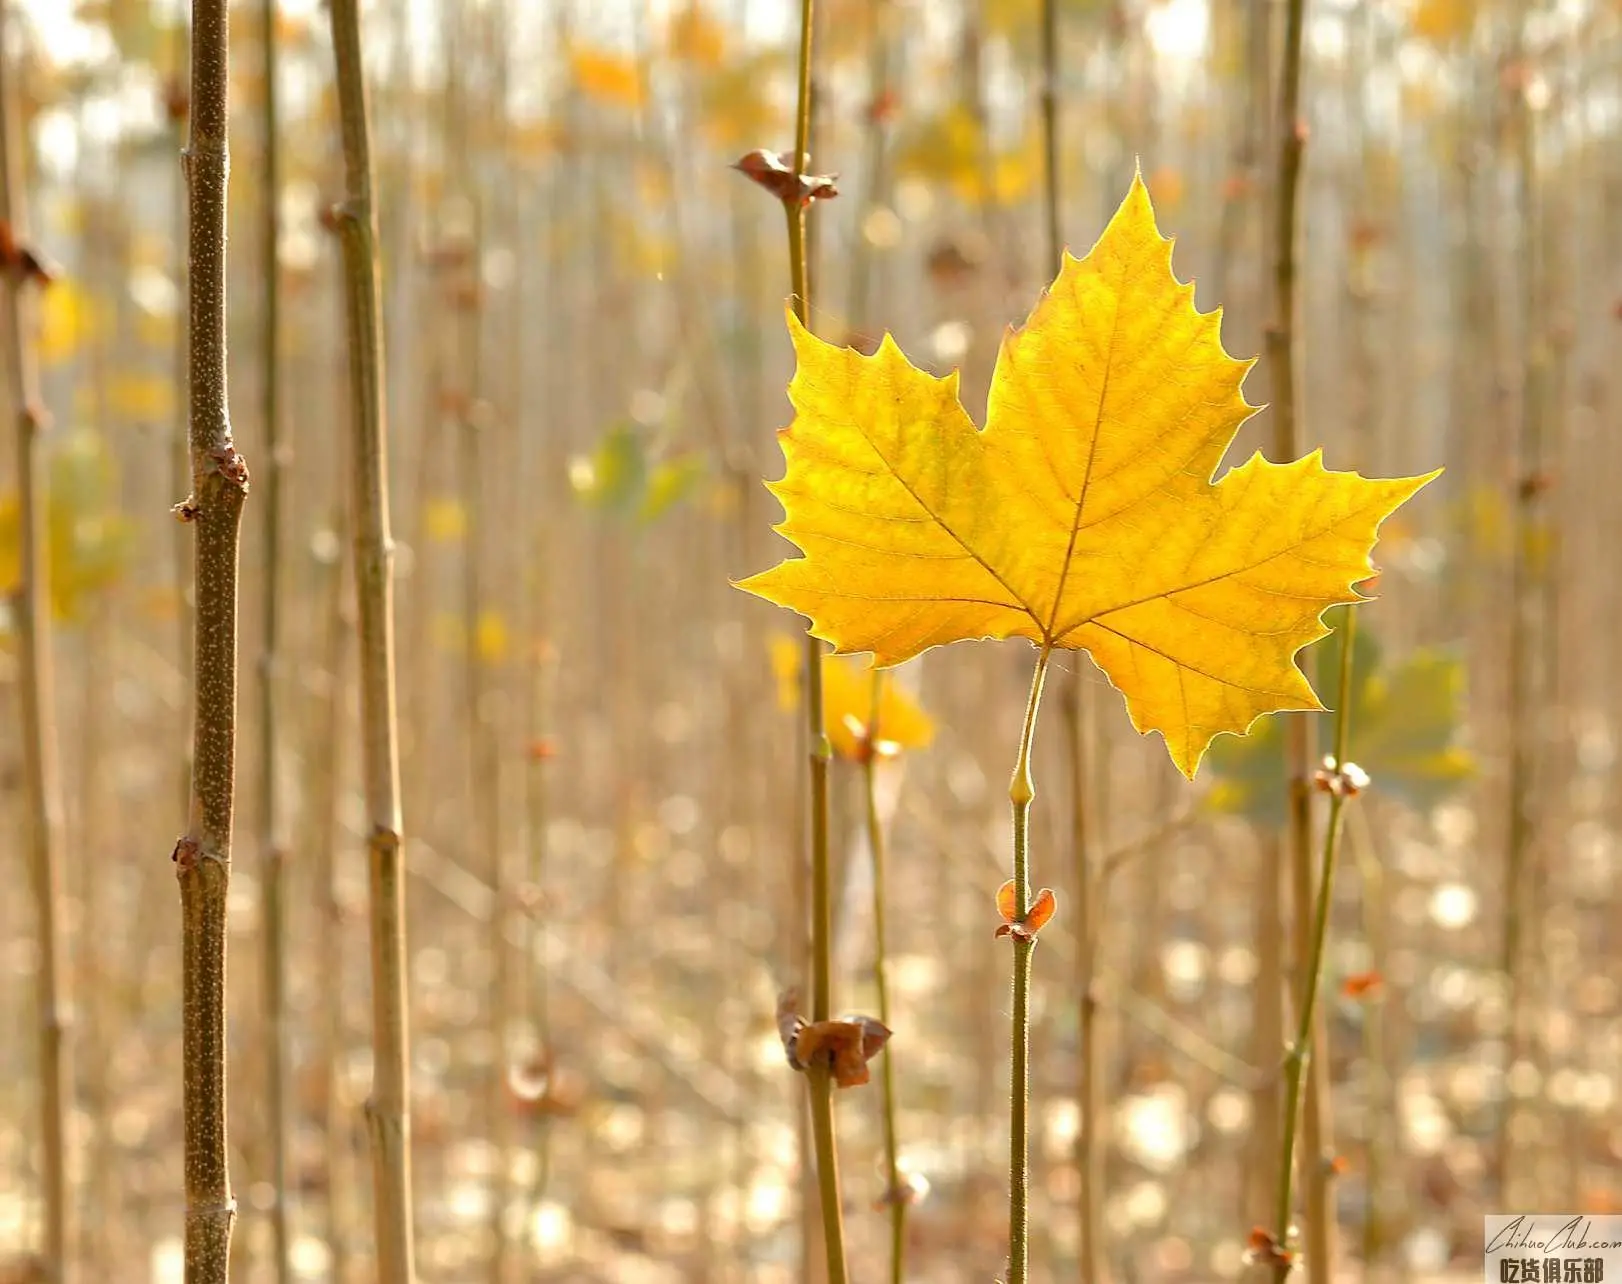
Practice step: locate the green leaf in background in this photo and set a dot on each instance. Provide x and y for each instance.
(87, 541)
(613, 477)
(671, 482)
(621, 478)
(1405, 720)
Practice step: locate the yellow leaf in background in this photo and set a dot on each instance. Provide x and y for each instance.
(848, 709)
(490, 638)
(1021, 18)
(66, 314)
(647, 250)
(948, 148)
(88, 542)
(736, 103)
(444, 520)
(1444, 21)
(695, 36)
(133, 395)
(652, 184)
(607, 78)
(154, 330)
(1083, 516)
(1166, 188)
(160, 602)
(535, 139)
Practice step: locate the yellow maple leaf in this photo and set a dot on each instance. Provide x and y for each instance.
(849, 712)
(1083, 516)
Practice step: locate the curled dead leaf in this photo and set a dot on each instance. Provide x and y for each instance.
(848, 1043)
(773, 172)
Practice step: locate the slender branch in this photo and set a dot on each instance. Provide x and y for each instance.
(272, 898)
(1021, 790)
(1050, 132)
(1528, 633)
(42, 789)
(219, 487)
(325, 763)
(880, 17)
(1092, 883)
(1298, 1059)
(1281, 341)
(897, 1195)
(1375, 906)
(180, 446)
(819, 1078)
(388, 1120)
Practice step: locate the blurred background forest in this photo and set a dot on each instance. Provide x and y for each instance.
(602, 770)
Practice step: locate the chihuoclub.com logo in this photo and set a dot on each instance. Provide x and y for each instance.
(1552, 1248)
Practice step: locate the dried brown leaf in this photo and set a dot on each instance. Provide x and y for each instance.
(773, 172)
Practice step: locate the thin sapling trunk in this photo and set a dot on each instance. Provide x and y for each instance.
(1281, 341)
(897, 1193)
(272, 895)
(42, 791)
(219, 486)
(1341, 780)
(387, 1116)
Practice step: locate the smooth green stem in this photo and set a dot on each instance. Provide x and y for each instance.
(896, 1195)
(1299, 1056)
(1021, 790)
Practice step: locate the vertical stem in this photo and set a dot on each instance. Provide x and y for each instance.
(819, 1077)
(180, 448)
(1528, 625)
(896, 1194)
(1021, 790)
(219, 487)
(326, 764)
(1298, 1059)
(41, 783)
(1050, 132)
(1377, 1082)
(388, 1122)
(1089, 1153)
(1281, 338)
(273, 940)
(1089, 916)
(859, 305)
